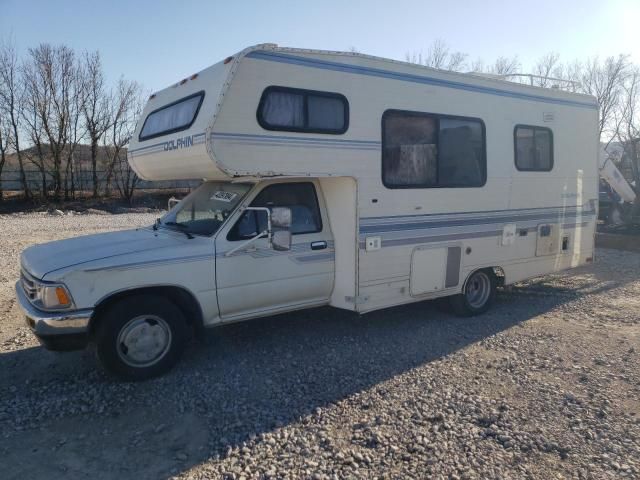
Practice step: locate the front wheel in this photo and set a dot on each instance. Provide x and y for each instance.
(140, 337)
(478, 295)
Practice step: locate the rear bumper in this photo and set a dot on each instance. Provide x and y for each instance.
(56, 330)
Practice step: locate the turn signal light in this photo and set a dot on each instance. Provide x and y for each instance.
(62, 296)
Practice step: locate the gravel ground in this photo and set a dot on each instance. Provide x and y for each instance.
(545, 386)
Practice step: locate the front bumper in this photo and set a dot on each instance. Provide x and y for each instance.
(64, 330)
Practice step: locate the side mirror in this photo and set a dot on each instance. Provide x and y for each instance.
(281, 240)
(281, 217)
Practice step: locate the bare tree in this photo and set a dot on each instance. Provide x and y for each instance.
(53, 85)
(125, 107)
(11, 103)
(77, 129)
(96, 110)
(5, 133)
(571, 74)
(128, 103)
(51, 75)
(605, 82)
(628, 123)
(504, 66)
(38, 154)
(440, 56)
(544, 68)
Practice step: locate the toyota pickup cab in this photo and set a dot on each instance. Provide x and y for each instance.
(140, 294)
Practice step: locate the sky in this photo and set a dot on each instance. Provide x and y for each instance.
(159, 42)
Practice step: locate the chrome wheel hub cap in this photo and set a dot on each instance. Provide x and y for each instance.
(143, 341)
(478, 290)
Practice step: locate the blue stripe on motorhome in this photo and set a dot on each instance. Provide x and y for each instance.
(375, 72)
(287, 137)
(447, 237)
(483, 212)
(399, 225)
(302, 145)
(280, 140)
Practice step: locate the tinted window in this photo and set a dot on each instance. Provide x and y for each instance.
(325, 113)
(299, 197)
(421, 150)
(533, 148)
(172, 118)
(296, 110)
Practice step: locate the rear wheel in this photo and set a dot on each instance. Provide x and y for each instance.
(478, 295)
(140, 337)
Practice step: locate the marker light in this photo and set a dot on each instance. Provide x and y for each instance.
(227, 60)
(63, 298)
(193, 77)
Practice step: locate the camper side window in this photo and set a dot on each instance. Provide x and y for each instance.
(296, 110)
(533, 148)
(422, 150)
(299, 197)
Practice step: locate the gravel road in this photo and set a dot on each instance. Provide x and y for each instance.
(546, 385)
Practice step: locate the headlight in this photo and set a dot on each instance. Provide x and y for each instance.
(54, 297)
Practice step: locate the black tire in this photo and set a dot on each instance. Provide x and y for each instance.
(478, 294)
(158, 322)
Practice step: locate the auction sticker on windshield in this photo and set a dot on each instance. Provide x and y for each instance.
(224, 196)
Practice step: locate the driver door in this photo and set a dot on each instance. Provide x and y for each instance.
(258, 280)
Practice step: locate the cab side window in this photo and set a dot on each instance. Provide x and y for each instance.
(301, 198)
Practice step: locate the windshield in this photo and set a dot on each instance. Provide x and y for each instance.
(206, 208)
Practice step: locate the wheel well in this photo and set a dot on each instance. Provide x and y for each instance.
(183, 299)
(497, 272)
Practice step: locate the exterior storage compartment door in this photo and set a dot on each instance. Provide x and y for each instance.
(548, 239)
(428, 267)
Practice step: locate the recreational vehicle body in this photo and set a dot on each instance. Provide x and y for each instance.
(329, 179)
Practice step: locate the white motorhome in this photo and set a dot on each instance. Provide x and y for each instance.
(330, 179)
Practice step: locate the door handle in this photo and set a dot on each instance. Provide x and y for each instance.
(321, 245)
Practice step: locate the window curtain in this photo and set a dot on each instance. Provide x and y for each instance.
(284, 109)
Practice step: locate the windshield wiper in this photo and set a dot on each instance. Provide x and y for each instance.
(181, 226)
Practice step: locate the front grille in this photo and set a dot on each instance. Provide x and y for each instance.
(28, 285)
